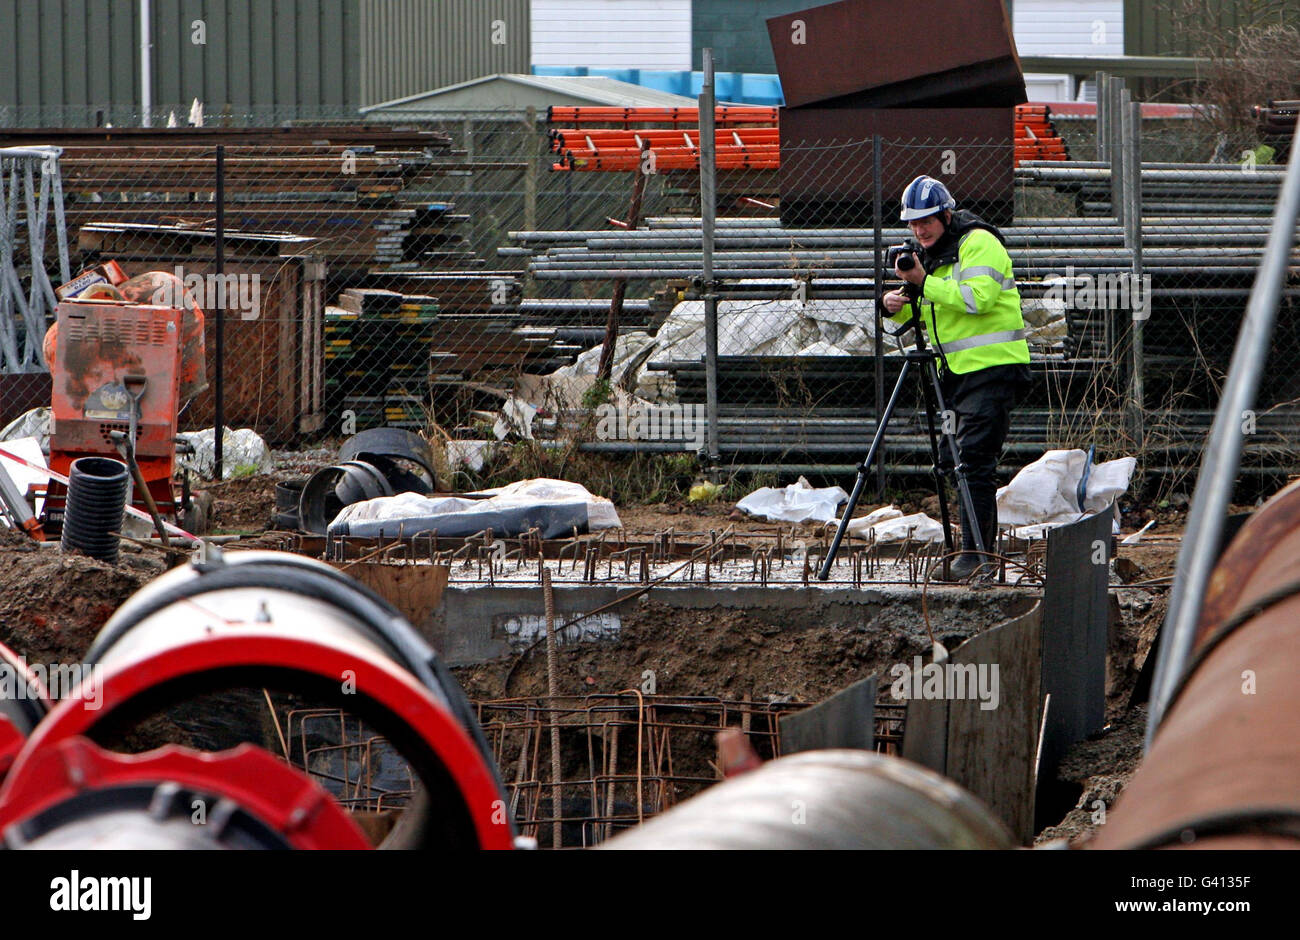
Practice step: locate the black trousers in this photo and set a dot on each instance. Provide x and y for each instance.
(983, 401)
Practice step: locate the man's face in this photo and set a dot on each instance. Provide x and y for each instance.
(928, 230)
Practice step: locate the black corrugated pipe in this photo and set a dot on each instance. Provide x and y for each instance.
(96, 501)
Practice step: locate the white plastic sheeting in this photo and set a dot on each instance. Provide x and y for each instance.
(764, 328)
(745, 328)
(601, 513)
(240, 450)
(470, 453)
(840, 327)
(34, 424)
(798, 502)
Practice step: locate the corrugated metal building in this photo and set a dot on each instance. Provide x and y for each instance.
(61, 61)
(625, 34)
(410, 46)
(1151, 28)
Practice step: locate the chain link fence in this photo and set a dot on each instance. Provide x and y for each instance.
(459, 271)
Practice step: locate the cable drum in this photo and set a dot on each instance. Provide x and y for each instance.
(23, 703)
(283, 622)
(95, 503)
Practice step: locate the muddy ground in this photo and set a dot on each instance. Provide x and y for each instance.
(52, 605)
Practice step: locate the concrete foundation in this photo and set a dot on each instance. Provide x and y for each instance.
(480, 624)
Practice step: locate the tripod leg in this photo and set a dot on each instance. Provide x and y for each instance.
(963, 488)
(863, 470)
(939, 486)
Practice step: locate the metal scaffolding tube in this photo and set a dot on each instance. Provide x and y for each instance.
(708, 213)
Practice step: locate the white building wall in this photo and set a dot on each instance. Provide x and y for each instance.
(626, 34)
(1065, 27)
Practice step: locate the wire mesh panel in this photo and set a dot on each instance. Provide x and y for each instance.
(539, 274)
(622, 757)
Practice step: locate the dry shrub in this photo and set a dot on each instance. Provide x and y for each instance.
(1251, 64)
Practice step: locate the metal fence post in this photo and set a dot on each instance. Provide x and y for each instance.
(1115, 118)
(219, 265)
(877, 288)
(708, 214)
(1099, 88)
(530, 172)
(1133, 229)
(1117, 107)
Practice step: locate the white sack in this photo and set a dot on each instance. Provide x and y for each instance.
(516, 418)
(1045, 491)
(858, 527)
(923, 529)
(34, 423)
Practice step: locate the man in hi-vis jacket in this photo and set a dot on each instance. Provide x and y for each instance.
(970, 309)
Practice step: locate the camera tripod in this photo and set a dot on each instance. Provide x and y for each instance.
(924, 358)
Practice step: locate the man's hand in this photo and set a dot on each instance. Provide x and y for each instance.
(914, 275)
(895, 301)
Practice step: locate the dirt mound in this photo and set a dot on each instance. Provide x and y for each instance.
(243, 505)
(52, 604)
(1102, 766)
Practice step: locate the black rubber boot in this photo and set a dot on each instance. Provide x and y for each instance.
(964, 565)
(970, 560)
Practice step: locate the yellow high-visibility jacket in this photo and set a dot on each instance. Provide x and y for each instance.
(971, 308)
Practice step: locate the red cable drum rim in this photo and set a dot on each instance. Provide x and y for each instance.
(376, 679)
(273, 792)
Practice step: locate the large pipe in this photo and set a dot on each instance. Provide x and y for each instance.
(1221, 772)
(836, 799)
(658, 228)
